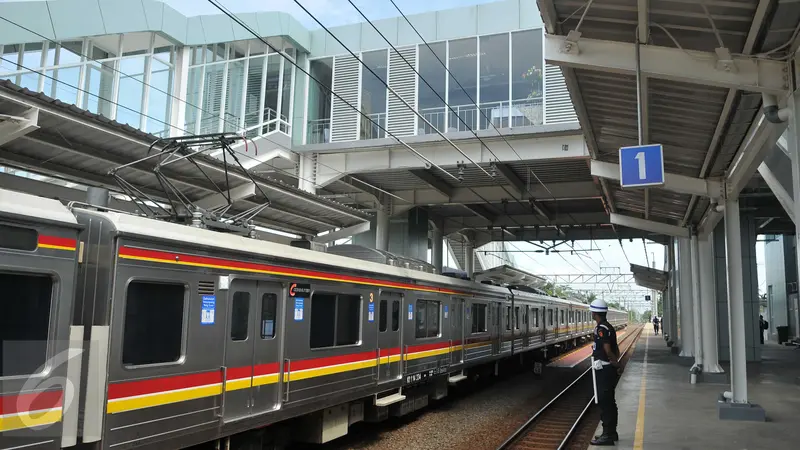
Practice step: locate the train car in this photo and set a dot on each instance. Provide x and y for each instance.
(194, 335)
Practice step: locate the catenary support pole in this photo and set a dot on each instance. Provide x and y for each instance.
(696, 313)
(685, 298)
(708, 306)
(733, 256)
(382, 229)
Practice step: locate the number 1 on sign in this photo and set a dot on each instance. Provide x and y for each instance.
(642, 169)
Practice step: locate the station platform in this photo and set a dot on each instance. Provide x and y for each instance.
(660, 409)
(577, 356)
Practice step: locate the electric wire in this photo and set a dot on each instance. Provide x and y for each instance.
(713, 25)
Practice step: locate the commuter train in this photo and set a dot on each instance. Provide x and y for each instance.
(124, 332)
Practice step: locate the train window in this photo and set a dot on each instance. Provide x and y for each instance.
(516, 317)
(18, 238)
(269, 307)
(335, 320)
(427, 319)
(536, 317)
(395, 315)
(153, 330)
(572, 317)
(562, 317)
(508, 317)
(550, 317)
(383, 321)
(478, 318)
(525, 316)
(240, 313)
(24, 323)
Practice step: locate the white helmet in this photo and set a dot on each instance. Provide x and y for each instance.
(598, 306)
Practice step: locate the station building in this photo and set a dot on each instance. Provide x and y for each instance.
(145, 65)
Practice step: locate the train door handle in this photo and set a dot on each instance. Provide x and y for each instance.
(287, 373)
(224, 370)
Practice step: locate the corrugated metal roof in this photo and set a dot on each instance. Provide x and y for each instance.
(78, 145)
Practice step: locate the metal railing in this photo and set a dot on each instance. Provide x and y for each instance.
(319, 131)
(516, 113)
(373, 128)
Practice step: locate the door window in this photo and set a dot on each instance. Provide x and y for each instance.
(383, 320)
(395, 315)
(269, 305)
(240, 311)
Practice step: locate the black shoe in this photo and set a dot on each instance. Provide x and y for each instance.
(603, 439)
(613, 435)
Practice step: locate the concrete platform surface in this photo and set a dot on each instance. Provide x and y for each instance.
(660, 409)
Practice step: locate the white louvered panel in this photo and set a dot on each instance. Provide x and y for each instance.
(402, 79)
(558, 105)
(344, 119)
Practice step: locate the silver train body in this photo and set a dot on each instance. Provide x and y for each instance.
(126, 332)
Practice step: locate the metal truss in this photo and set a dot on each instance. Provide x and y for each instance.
(590, 278)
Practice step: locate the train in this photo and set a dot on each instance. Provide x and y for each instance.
(122, 331)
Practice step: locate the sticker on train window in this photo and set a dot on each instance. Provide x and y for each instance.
(445, 311)
(410, 312)
(298, 309)
(207, 309)
(371, 311)
(296, 289)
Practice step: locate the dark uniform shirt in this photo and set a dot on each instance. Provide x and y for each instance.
(603, 333)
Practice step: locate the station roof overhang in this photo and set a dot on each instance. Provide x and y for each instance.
(510, 276)
(48, 137)
(650, 278)
(702, 103)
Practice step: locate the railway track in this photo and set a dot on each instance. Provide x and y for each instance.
(554, 426)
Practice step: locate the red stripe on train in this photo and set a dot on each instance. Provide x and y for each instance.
(191, 259)
(14, 404)
(155, 385)
(57, 241)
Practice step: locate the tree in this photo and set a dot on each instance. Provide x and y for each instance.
(647, 316)
(660, 304)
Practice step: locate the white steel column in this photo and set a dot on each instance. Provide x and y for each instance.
(180, 89)
(382, 229)
(306, 171)
(696, 300)
(708, 303)
(469, 259)
(793, 147)
(437, 249)
(733, 256)
(685, 298)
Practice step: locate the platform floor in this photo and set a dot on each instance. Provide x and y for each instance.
(660, 409)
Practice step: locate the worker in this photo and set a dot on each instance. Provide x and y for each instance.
(655, 324)
(605, 353)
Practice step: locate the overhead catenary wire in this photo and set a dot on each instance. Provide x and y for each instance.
(219, 116)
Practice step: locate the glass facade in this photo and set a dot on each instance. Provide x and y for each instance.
(239, 87)
(122, 77)
(491, 81)
(244, 87)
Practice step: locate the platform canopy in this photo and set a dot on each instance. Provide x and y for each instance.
(650, 278)
(510, 276)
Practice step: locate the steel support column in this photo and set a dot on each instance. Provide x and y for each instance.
(708, 313)
(469, 258)
(685, 298)
(382, 229)
(696, 301)
(733, 246)
(437, 249)
(670, 309)
(793, 147)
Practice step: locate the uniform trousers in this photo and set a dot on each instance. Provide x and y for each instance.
(606, 383)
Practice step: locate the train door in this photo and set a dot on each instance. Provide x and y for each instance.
(457, 330)
(266, 348)
(496, 325)
(526, 326)
(252, 363)
(390, 339)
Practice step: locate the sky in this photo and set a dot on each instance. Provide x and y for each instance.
(329, 12)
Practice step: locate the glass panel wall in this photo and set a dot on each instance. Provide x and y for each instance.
(319, 101)
(431, 102)
(527, 85)
(494, 81)
(57, 68)
(463, 65)
(238, 87)
(373, 94)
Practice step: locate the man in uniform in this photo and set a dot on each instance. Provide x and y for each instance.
(607, 368)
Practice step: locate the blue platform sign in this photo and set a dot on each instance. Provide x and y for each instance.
(642, 165)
